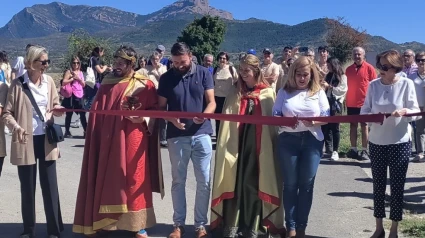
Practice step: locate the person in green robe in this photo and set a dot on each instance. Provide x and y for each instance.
(246, 196)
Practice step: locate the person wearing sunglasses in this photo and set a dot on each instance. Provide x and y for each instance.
(419, 81)
(29, 145)
(389, 142)
(410, 67)
(72, 90)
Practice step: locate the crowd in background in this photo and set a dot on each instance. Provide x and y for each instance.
(252, 161)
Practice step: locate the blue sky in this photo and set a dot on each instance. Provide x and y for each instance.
(391, 19)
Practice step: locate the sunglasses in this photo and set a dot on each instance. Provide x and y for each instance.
(44, 62)
(76, 63)
(420, 60)
(383, 67)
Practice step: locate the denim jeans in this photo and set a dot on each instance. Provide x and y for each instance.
(299, 156)
(199, 150)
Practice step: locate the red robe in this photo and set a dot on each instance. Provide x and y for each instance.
(121, 164)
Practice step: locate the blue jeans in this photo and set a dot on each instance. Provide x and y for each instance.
(299, 156)
(199, 150)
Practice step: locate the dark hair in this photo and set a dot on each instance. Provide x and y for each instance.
(28, 46)
(96, 51)
(222, 54)
(180, 48)
(130, 52)
(287, 48)
(393, 57)
(324, 47)
(337, 71)
(3, 57)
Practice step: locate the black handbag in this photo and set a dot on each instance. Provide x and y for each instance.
(335, 105)
(53, 131)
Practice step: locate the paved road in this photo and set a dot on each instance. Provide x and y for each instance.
(341, 208)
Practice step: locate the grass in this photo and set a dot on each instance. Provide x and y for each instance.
(411, 226)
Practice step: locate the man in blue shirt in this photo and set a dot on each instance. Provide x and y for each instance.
(208, 62)
(188, 87)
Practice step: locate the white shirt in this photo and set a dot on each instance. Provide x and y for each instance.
(41, 96)
(271, 69)
(19, 66)
(419, 88)
(382, 98)
(300, 103)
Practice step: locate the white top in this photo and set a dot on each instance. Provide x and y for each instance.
(19, 66)
(419, 82)
(41, 96)
(300, 103)
(224, 80)
(382, 98)
(269, 70)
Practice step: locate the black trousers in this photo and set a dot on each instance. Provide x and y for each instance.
(1, 164)
(68, 119)
(49, 188)
(74, 103)
(332, 137)
(219, 109)
(396, 157)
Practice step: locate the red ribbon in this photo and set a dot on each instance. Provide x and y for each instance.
(262, 120)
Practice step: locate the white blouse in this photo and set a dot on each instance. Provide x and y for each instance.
(381, 98)
(41, 96)
(300, 103)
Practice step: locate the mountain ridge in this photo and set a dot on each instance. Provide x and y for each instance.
(50, 25)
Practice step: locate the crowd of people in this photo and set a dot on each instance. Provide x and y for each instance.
(263, 180)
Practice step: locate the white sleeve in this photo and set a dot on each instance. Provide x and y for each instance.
(367, 106)
(411, 102)
(325, 109)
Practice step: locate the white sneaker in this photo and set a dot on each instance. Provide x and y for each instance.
(335, 156)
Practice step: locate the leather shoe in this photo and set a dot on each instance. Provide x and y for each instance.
(201, 232)
(178, 232)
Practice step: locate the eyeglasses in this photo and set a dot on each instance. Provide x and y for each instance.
(44, 62)
(76, 63)
(383, 67)
(420, 60)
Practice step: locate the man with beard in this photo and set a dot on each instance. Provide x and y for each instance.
(189, 88)
(121, 164)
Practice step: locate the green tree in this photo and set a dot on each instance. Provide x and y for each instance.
(342, 38)
(81, 44)
(204, 36)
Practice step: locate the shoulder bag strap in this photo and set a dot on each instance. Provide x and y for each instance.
(27, 91)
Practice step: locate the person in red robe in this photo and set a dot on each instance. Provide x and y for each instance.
(121, 165)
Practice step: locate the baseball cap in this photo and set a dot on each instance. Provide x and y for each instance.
(252, 52)
(267, 51)
(160, 47)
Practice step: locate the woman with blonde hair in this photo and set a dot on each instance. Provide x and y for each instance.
(29, 141)
(247, 191)
(300, 148)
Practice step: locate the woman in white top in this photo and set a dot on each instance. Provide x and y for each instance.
(389, 143)
(335, 85)
(29, 145)
(225, 76)
(300, 148)
(156, 69)
(419, 81)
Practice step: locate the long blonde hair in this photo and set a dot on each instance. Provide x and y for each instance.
(254, 63)
(313, 85)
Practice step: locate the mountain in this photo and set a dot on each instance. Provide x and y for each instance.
(50, 25)
(46, 19)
